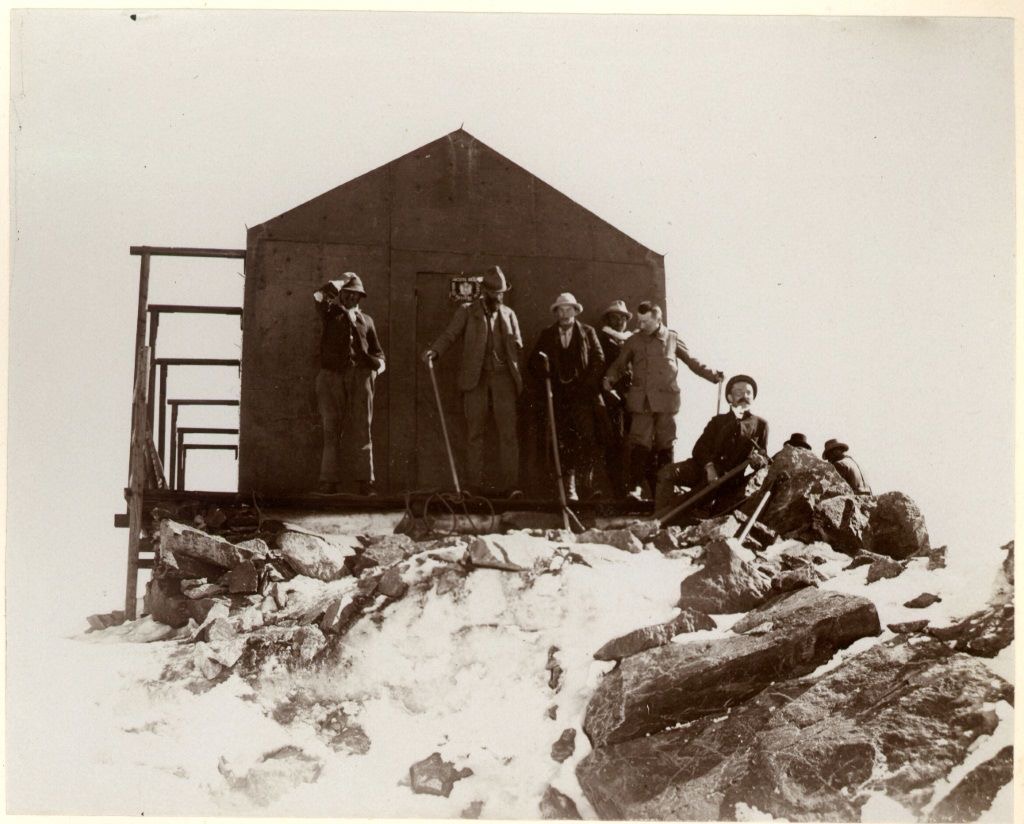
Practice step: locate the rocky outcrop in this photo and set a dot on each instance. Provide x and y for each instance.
(895, 720)
(689, 620)
(802, 481)
(679, 683)
(897, 527)
(983, 633)
(623, 539)
(556, 805)
(973, 796)
(728, 582)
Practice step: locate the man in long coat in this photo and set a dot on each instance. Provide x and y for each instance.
(728, 439)
(489, 377)
(612, 335)
(351, 358)
(576, 364)
(654, 398)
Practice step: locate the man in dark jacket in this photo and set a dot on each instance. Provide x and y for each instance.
(489, 377)
(351, 358)
(835, 453)
(577, 366)
(612, 335)
(727, 440)
(653, 398)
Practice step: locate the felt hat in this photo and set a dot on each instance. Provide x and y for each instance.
(736, 379)
(494, 280)
(567, 299)
(353, 284)
(618, 306)
(799, 440)
(833, 445)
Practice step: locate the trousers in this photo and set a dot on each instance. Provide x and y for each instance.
(345, 400)
(495, 395)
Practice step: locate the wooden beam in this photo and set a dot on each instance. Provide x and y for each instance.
(186, 251)
(201, 402)
(137, 481)
(183, 308)
(197, 362)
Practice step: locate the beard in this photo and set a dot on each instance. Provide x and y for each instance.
(739, 407)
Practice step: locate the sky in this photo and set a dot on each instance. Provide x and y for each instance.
(834, 197)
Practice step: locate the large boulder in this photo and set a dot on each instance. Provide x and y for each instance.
(894, 720)
(177, 539)
(314, 556)
(689, 620)
(897, 527)
(624, 539)
(983, 633)
(678, 683)
(843, 521)
(728, 582)
(801, 481)
(511, 553)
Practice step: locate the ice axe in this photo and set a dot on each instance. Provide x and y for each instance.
(572, 523)
(669, 517)
(766, 493)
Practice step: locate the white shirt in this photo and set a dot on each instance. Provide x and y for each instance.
(566, 335)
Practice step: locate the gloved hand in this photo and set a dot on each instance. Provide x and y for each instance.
(710, 473)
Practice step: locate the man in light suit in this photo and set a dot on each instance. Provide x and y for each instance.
(489, 377)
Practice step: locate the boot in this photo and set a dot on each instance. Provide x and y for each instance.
(638, 457)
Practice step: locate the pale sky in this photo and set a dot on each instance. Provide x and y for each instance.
(834, 197)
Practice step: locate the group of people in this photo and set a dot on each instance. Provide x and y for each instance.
(615, 395)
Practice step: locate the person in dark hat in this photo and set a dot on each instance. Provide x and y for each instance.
(576, 363)
(612, 335)
(799, 441)
(652, 353)
(351, 358)
(835, 453)
(489, 377)
(728, 439)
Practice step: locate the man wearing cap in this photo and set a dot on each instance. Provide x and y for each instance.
(576, 364)
(798, 440)
(489, 377)
(728, 439)
(351, 358)
(653, 398)
(611, 336)
(835, 453)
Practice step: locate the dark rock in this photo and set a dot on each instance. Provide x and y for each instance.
(473, 810)
(884, 568)
(565, 746)
(973, 796)
(314, 556)
(179, 539)
(388, 549)
(897, 527)
(719, 528)
(843, 521)
(892, 720)
(727, 583)
(863, 558)
(342, 734)
(622, 539)
(243, 579)
(341, 613)
(358, 564)
(801, 481)
(435, 776)
(558, 806)
(199, 609)
(553, 712)
(678, 683)
(197, 589)
(554, 669)
(392, 585)
(936, 557)
(1007, 561)
(166, 603)
(983, 633)
(791, 579)
(925, 599)
(907, 627)
(689, 620)
(666, 539)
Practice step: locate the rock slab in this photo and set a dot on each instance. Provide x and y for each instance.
(689, 620)
(728, 582)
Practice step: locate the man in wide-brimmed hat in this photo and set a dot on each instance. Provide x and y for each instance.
(489, 377)
(351, 358)
(728, 439)
(612, 335)
(576, 363)
(835, 453)
(653, 398)
(798, 440)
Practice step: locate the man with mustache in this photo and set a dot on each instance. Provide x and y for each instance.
(653, 399)
(728, 439)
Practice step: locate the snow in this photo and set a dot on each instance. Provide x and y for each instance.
(463, 674)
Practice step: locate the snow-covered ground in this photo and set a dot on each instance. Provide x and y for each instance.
(100, 732)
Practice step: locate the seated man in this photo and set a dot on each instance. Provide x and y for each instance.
(835, 453)
(727, 441)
